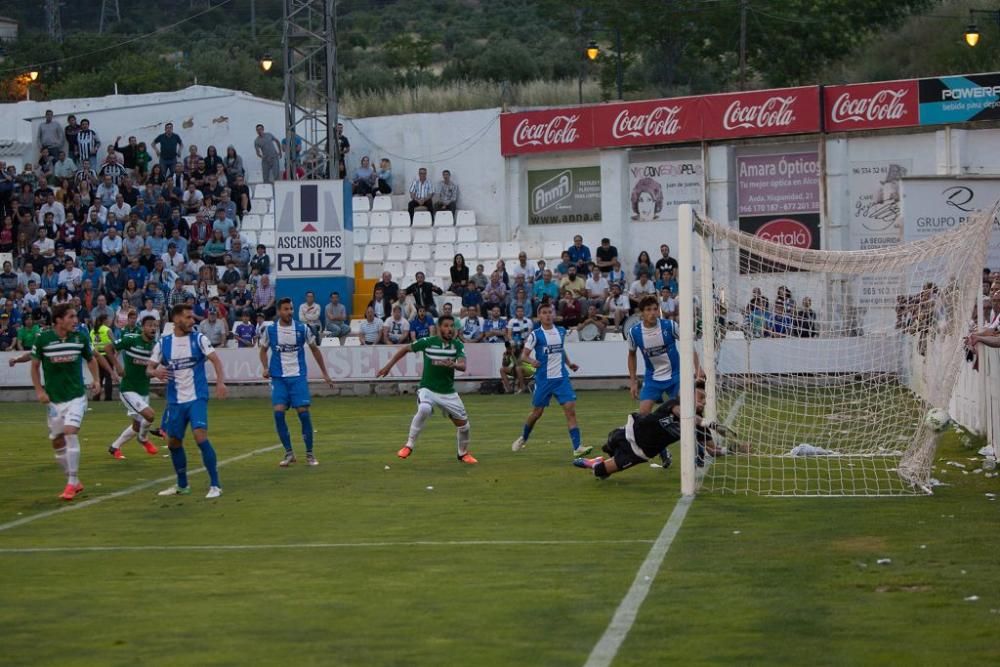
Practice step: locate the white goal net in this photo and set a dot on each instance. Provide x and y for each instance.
(825, 363)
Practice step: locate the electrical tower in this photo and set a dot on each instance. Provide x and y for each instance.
(309, 45)
(109, 14)
(53, 21)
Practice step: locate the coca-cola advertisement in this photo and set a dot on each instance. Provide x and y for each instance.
(660, 181)
(870, 106)
(647, 123)
(551, 130)
(761, 113)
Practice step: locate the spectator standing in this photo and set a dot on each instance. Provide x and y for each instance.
(421, 194)
(336, 317)
(71, 132)
(310, 314)
(446, 197)
(167, 147)
(87, 142)
(269, 151)
(344, 147)
(51, 134)
(606, 255)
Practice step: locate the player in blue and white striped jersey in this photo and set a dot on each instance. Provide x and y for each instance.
(287, 340)
(548, 345)
(179, 358)
(656, 338)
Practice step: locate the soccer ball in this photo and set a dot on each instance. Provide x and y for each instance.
(938, 419)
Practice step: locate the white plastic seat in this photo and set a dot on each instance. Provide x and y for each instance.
(469, 251)
(445, 235)
(373, 254)
(329, 341)
(421, 218)
(359, 253)
(382, 203)
(360, 237)
(533, 249)
(263, 190)
(397, 253)
(402, 236)
(489, 251)
(251, 221)
(360, 219)
(572, 336)
(510, 249)
(444, 252)
(352, 341)
(466, 219)
(413, 268)
(251, 239)
(356, 326)
(378, 219)
(442, 269)
(267, 221)
(420, 252)
(267, 238)
(613, 336)
(378, 236)
(260, 205)
(399, 219)
(468, 235)
(444, 219)
(405, 281)
(552, 249)
(395, 268)
(360, 204)
(423, 236)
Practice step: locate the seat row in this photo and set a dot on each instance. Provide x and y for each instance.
(420, 219)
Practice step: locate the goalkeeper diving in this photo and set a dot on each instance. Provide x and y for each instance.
(645, 436)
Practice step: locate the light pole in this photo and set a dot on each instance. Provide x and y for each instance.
(31, 77)
(972, 33)
(594, 51)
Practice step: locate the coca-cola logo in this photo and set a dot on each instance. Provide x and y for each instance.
(786, 231)
(772, 112)
(557, 131)
(663, 121)
(886, 104)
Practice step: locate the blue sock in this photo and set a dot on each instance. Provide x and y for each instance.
(282, 427)
(208, 458)
(526, 432)
(307, 430)
(180, 460)
(574, 437)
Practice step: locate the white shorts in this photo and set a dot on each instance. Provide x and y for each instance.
(66, 414)
(134, 403)
(451, 404)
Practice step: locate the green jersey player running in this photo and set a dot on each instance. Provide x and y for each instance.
(58, 354)
(443, 355)
(134, 387)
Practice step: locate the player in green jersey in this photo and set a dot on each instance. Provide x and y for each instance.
(58, 354)
(443, 355)
(134, 388)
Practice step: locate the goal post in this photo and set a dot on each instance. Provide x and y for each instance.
(820, 365)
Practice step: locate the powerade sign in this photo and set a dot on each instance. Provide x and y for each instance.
(312, 238)
(959, 99)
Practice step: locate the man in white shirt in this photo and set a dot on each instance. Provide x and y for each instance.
(55, 208)
(171, 258)
(617, 306)
(33, 297)
(472, 326)
(641, 288)
(310, 313)
(522, 269)
(27, 275)
(101, 211)
(597, 288)
(192, 198)
(120, 208)
(71, 276)
(668, 304)
(111, 244)
(107, 191)
(46, 247)
(396, 329)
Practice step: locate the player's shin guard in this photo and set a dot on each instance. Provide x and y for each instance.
(179, 458)
(72, 458)
(307, 430)
(424, 411)
(126, 435)
(463, 437)
(574, 437)
(143, 430)
(281, 426)
(526, 432)
(61, 458)
(209, 460)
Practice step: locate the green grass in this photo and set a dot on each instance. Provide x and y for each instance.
(797, 585)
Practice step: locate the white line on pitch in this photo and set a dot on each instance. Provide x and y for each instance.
(124, 492)
(315, 545)
(606, 649)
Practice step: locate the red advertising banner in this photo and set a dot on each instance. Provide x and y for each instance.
(871, 106)
(761, 113)
(647, 123)
(547, 131)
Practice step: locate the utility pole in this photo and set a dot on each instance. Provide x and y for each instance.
(110, 13)
(253, 20)
(53, 21)
(743, 43)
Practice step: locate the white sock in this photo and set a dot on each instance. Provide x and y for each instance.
(424, 411)
(463, 439)
(126, 435)
(143, 430)
(61, 458)
(72, 458)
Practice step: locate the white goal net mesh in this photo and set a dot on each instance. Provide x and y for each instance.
(826, 362)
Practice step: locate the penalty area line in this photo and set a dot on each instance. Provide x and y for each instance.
(315, 545)
(126, 491)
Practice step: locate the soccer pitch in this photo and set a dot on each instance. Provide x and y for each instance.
(520, 560)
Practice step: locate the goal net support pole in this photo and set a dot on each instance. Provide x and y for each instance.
(685, 258)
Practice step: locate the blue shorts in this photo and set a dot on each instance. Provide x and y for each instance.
(546, 389)
(291, 392)
(179, 416)
(653, 390)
